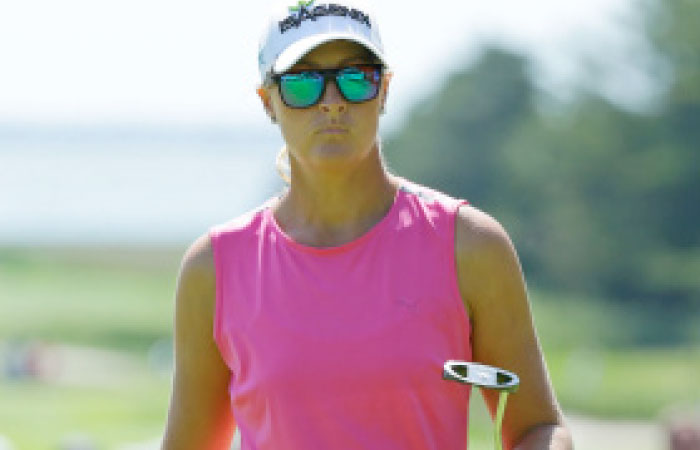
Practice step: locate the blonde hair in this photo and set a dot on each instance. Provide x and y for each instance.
(282, 165)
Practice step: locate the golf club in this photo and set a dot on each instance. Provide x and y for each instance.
(488, 377)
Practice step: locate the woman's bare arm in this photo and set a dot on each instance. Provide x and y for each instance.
(199, 416)
(503, 335)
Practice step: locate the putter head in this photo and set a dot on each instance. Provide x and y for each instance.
(481, 375)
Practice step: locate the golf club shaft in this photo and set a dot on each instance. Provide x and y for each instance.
(502, 398)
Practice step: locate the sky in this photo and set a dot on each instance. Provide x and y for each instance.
(186, 61)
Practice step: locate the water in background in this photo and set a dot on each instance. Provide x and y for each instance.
(97, 185)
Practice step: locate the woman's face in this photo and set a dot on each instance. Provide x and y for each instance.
(333, 131)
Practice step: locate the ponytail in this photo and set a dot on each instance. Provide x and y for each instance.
(282, 165)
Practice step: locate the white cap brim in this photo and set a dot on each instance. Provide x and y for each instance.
(298, 49)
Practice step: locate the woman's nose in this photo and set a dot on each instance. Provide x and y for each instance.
(332, 101)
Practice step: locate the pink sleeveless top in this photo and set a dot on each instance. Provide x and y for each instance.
(343, 347)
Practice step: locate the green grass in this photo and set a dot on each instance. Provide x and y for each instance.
(629, 383)
(573, 321)
(37, 416)
(123, 299)
(595, 366)
(119, 298)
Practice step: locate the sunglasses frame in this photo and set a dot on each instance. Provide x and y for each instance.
(328, 74)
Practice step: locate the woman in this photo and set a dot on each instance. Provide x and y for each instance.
(322, 319)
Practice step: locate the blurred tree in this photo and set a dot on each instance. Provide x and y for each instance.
(453, 140)
(597, 198)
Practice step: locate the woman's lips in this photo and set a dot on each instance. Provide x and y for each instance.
(333, 130)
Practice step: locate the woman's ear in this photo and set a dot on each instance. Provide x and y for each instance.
(264, 95)
(385, 89)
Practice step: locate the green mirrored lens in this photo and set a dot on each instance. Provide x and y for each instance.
(358, 85)
(301, 90)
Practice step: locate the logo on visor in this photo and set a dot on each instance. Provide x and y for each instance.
(302, 4)
(304, 11)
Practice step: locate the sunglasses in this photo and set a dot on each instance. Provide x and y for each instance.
(302, 89)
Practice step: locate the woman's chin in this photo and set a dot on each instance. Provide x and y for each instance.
(332, 149)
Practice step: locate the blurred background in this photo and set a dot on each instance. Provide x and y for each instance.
(128, 128)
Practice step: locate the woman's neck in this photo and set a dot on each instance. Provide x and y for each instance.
(325, 210)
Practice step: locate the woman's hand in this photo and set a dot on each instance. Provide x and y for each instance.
(200, 415)
(503, 333)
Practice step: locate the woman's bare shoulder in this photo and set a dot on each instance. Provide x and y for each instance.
(196, 282)
(485, 258)
(477, 232)
(198, 259)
